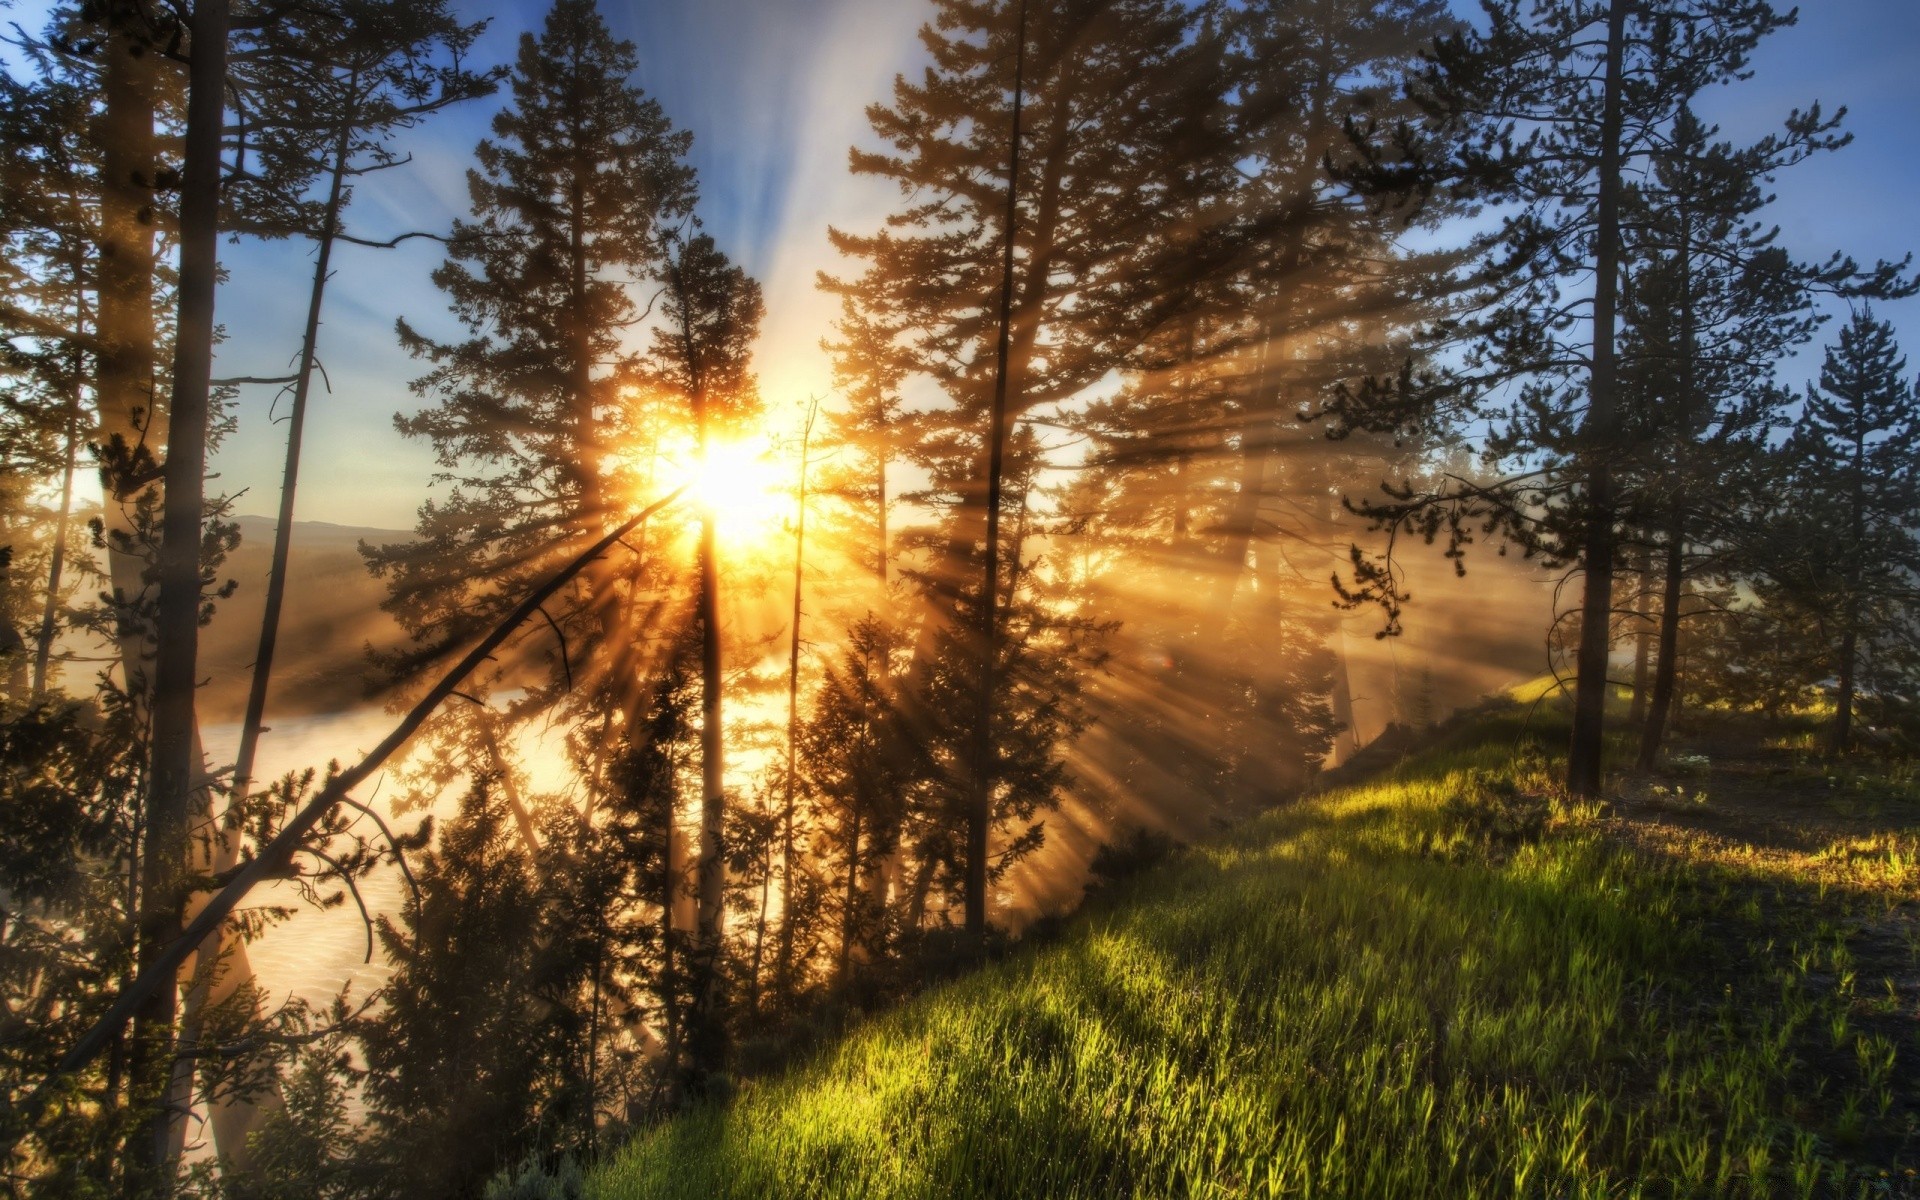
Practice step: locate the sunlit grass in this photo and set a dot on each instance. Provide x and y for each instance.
(1535, 690)
(1367, 995)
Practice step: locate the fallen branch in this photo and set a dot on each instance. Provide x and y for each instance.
(275, 856)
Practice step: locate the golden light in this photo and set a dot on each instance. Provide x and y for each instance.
(748, 491)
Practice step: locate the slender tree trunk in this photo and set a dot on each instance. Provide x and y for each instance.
(76, 366)
(593, 1044)
(1667, 670)
(1596, 608)
(1843, 702)
(50, 616)
(710, 872)
(881, 455)
(669, 934)
(1256, 438)
(1666, 681)
(251, 724)
(1850, 636)
(171, 778)
(241, 1120)
(980, 809)
(1642, 638)
(851, 902)
(760, 934)
(783, 965)
(129, 411)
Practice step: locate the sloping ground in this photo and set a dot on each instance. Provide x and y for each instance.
(1432, 984)
(332, 613)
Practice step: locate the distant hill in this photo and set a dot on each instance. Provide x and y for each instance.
(332, 612)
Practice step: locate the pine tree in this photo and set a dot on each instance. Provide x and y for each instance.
(1548, 109)
(1842, 541)
(862, 773)
(571, 200)
(546, 425)
(1710, 305)
(1077, 257)
(48, 223)
(701, 357)
(460, 1055)
(1210, 468)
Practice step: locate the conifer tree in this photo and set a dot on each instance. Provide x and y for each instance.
(48, 228)
(1840, 546)
(1210, 463)
(861, 769)
(545, 424)
(460, 1056)
(1547, 108)
(571, 199)
(1116, 107)
(1710, 305)
(701, 356)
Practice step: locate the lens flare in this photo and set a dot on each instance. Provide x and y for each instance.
(747, 491)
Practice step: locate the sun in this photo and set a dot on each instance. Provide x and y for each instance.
(747, 491)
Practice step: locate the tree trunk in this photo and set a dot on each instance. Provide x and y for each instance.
(1667, 672)
(669, 985)
(205, 988)
(980, 807)
(705, 1039)
(1843, 702)
(1643, 634)
(171, 777)
(1596, 607)
(250, 728)
(50, 616)
(851, 901)
(783, 964)
(127, 403)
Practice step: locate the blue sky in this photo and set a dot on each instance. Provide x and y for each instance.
(773, 91)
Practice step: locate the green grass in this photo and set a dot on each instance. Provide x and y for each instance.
(1371, 994)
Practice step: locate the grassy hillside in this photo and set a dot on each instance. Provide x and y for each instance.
(1436, 983)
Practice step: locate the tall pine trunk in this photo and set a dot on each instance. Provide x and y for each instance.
(171, 798)
(1667, 668)
(238, 1121)
(124, 382)
(706, 1039)
(1643, 634)
(1596, 607)
(1850, 636)
(980, 806)
(850, 901)
(783, 959)
(50, 615)
(1843, 701)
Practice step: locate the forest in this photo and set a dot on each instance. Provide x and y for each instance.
(1348, 623)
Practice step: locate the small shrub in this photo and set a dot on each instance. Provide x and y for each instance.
(1493, 813)
(533, 1181)
(1130, 854)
